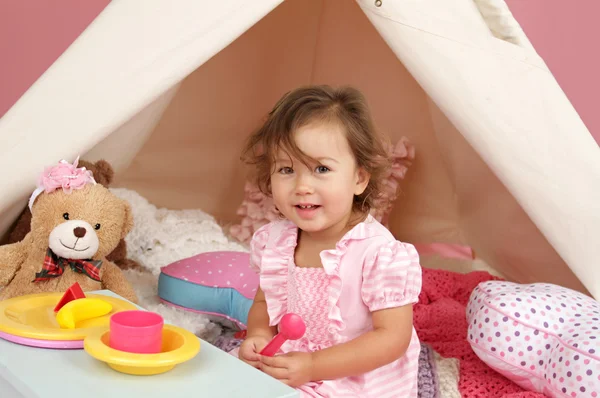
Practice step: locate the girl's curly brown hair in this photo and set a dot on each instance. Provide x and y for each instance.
(302, 106)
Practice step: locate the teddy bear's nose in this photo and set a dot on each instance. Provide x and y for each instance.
(79, 232)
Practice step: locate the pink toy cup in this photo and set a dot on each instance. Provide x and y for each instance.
(134, 331)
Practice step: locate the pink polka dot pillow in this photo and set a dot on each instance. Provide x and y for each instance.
(544, 337)
(219, 283)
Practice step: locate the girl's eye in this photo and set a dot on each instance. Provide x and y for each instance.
(286, 170)
(322, 169)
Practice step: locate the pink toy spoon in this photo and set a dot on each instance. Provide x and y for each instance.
(291, 327)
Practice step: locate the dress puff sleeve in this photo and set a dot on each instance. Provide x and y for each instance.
(257, 246)
(392, 278)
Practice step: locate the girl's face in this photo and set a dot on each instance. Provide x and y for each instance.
(318, 198)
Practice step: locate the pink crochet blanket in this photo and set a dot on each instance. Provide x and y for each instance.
(440, 321)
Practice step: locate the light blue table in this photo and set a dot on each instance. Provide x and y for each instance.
(44, 373)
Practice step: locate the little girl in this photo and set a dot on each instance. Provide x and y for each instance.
(327, 259)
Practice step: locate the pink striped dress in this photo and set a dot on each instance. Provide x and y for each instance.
(368, 270)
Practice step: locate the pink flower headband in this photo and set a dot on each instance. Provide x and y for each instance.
(63, 175)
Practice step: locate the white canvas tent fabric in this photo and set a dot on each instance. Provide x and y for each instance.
(166, 91)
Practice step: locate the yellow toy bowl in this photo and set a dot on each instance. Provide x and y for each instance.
(32, 316)
(178, 346)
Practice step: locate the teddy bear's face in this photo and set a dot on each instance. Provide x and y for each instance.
(86, 223)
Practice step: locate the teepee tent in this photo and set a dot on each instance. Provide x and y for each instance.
(167, 91)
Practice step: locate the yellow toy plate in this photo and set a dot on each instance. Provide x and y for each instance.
(178, 346)
(33, 316)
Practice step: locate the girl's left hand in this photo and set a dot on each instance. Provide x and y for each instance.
(293, 369)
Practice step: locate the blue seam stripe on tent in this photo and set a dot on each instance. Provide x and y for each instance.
(220, 300)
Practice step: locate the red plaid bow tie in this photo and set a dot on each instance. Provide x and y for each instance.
(54, 267)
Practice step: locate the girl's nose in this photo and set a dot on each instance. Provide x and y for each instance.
(303, 185)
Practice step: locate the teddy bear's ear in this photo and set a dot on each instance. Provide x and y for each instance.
(103, 172)
(128, 221)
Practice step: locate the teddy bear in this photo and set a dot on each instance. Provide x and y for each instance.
(75, 224)
(103, 174)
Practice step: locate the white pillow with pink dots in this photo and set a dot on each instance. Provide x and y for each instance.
(544, 337)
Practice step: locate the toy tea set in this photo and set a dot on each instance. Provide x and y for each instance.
(109, 329)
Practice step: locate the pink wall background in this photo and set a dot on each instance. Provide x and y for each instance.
(565, 34)
(34, 33)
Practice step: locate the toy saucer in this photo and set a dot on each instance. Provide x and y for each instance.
(56, 344)
(33, 317)
(178, 346)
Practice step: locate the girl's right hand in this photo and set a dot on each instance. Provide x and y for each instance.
(250, 348)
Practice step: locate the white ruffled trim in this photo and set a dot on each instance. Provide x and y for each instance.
(274, 273)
